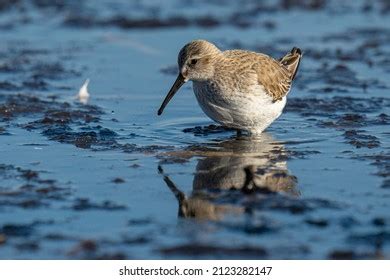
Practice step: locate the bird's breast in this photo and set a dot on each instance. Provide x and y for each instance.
(250, 109)
(211, 92)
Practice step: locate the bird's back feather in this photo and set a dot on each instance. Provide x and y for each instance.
(291, 61)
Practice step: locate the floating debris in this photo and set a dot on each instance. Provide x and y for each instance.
(83, 95)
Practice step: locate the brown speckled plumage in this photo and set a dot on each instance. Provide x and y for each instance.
(246, 67)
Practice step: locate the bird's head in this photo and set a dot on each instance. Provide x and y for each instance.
(196, 63)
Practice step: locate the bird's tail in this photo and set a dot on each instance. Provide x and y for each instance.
(291, 61)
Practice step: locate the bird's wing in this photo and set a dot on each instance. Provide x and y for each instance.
(266, 71)
(275, 79)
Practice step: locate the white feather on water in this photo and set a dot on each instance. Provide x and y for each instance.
(83, 95)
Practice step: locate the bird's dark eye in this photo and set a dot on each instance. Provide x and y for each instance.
(193, 61)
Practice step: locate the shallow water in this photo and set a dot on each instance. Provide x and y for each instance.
(112, 180)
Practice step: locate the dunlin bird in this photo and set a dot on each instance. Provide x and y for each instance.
(239, 89)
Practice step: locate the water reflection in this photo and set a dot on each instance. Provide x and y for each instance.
(241, 167)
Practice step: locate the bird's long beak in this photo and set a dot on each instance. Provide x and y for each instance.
(178, 83)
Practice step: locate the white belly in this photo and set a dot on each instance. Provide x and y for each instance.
(252, 111)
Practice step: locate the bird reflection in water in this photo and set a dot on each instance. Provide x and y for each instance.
(240, 168)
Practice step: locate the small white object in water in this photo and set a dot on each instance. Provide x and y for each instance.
(83, 95)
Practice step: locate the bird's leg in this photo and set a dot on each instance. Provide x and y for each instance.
(249, 184)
